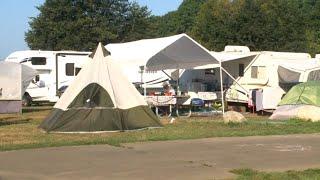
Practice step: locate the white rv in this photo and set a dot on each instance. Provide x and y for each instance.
(292, 73)
(260, 70)
(56, 70)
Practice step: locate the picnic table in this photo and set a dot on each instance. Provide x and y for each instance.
(180, 104)
(170, 102)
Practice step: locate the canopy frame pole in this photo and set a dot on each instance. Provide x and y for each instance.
(145, 83)
(178, 88)
(21, 85)
(221, 88)
(246, 91)
(166, 74)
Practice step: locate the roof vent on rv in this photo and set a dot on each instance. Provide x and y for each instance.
(242, 49)
(317, 56)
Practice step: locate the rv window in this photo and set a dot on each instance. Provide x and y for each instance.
(241, 70)
(38, 61)
(262, 72)
(78, 70)
(37, 78)
(258, 72)
(254, 72)
(70, 69)
(314, 75)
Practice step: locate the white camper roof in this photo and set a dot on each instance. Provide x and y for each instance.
(235, 55)
(17, 56)
(287, 55)
(174, 52)
(303, 66)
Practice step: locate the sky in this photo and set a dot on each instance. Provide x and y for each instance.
(15, 14)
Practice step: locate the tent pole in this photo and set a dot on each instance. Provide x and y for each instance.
(221, 88)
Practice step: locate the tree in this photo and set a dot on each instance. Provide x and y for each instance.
(138, 24)
(262, 25)
(81, 24)
(286, 25)
(277, 25)
(312, 12)
(248, 24)
(181, 20)
(214, 24)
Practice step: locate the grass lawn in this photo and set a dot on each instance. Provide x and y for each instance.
(21, 132)
(246, 174)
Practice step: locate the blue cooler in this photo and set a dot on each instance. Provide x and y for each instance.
(197, 102)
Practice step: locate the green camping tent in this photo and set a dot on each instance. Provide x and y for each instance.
(305, 93)
(100, 99)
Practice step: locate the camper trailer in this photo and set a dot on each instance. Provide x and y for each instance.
(56, 70)
(255, 71)
(291, 74)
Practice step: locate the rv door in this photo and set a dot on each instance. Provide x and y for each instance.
(39, 87)
(68, 66)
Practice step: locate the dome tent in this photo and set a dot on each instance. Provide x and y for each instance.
(100, 99)
(305, 93)
(297, 103)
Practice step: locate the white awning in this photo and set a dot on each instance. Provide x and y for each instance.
(227, 57)
(174, 52)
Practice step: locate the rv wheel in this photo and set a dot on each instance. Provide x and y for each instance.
(26, 100)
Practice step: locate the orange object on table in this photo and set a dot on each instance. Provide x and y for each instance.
(167, 93)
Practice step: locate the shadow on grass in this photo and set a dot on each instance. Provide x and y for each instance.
(36, 109)
(7, 121)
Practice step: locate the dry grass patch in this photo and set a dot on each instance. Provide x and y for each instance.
(21, 132)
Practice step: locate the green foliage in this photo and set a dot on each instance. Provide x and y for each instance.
(180, 21)
(257, 175)
(313, 27)
(80, 25)
(213, 27)
(275, 25)
(262, 25)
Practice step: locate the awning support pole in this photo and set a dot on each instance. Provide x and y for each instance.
(221, 88)
(246, 91)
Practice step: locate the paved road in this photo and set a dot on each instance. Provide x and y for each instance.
(190, 159)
